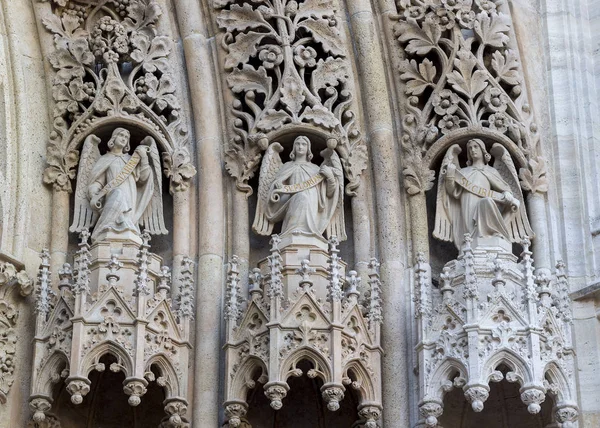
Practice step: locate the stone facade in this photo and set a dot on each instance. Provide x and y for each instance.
(314, 213)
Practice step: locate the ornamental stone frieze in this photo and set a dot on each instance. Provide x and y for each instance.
(491, 319)
(303, 305)
(13, 281)
(115, 299)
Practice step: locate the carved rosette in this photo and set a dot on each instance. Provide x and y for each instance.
(299, 298)
(462, 75)
(99, 312)
(112, 66)
(488, 314)
(287, 68)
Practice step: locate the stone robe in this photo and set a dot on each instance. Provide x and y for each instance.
(308, 211)
(474, 214)
(123, 206)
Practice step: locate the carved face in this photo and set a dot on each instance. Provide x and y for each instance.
(301, 149)
(119, 142)
(474, 151)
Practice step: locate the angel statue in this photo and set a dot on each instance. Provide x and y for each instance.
(481, 200)
(117, 191)
(308, 198)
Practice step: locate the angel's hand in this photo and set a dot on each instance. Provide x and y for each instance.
(142, 151)
(450, 170)
(277, 184)
(95, 201)
(326, 171)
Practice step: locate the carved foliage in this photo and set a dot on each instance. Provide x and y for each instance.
(286, 65)
(462, 71)
(110, 61)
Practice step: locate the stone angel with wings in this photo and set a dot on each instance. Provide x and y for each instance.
(118, 192)
(481, 200)
(306, 197)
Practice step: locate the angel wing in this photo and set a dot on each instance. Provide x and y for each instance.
(269, 168)
(518, 227)
(84, 217)
(443, 224)
(337, 225)
(153, 218)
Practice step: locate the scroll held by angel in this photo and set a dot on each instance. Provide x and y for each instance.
(118, 192)
(480, 200)
(306, 197)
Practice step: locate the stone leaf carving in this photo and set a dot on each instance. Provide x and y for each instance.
(12, 278)
(110, 62)
(462, 71)
(286, 66)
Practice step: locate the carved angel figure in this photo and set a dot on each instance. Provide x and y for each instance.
(118, 191)
(479, 199)
(308, 198)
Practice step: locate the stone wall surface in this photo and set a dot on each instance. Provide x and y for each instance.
(327, 213)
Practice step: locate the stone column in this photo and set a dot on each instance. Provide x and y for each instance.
(384, 155)
(181, 235)
(199, 53)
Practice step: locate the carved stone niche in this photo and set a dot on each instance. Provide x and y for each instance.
(116, 299)
(303, 305)
(13, 280)
(490, 310)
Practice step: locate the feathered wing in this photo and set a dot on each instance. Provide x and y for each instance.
(84, 217)
(337, 224)
(443, 224)
(271, 164)
(518, 227)
(153, 217)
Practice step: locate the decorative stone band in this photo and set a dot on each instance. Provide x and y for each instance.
(119, 179)
(298, 187)
(466, 184)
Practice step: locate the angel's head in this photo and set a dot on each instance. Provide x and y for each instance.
(301, 149)
(476, 151)
(119, 140)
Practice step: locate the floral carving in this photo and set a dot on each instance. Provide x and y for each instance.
(286, 65)
(110, 62)
(462, 71)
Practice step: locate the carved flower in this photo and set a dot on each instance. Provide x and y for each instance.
(445, 18)
(487, 6)
(271, 56)
(499, 122)
(446, 102)
(495, 99)
(466, 18)
(414, 12)
(457, 4)
(305, 56)
(448, 123)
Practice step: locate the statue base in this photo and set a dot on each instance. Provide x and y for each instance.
(126, 246)
(295, 247)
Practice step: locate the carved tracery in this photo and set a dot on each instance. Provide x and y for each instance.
(112, 65)
(287, 68)
(462, 73)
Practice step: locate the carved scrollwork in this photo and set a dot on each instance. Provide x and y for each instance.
(462, 72)
(112, 64)
(287, 67)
